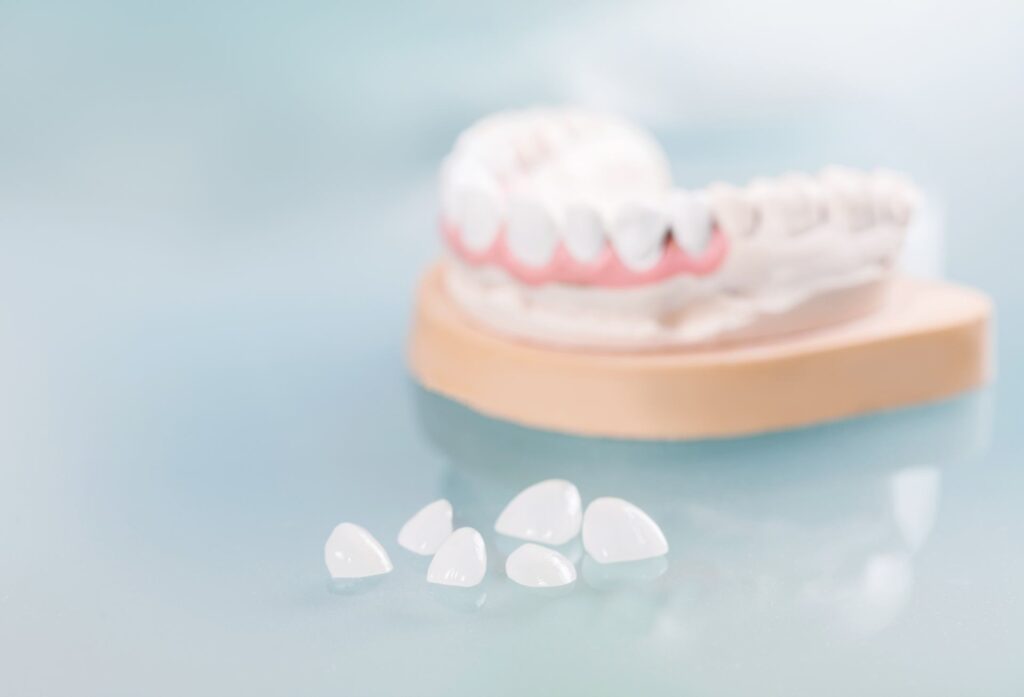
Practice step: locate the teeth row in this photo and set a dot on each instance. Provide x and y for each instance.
(838, 198)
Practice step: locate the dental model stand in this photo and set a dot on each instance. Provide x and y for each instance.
(928, 342)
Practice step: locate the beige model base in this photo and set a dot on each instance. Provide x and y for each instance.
(929, 341)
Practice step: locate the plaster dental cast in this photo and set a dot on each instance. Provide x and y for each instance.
(564, 227)
(581, 290)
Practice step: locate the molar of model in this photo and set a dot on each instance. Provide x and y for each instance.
(894, 195)
(478, 216)
(549, 512)
(460, 561)
(786, 205)
(615, 530)
(808, 209)
(584, 232)
(532, 237)
(637, 233)
(352, 552)
(901, 206)
(690, 220)
(849, 200)
(428, 528)
(534, 566)
(732, 210)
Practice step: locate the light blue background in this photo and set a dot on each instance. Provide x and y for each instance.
(212, 217)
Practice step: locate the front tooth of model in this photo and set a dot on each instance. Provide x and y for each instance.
(615, 530)
(549, 511)
(690, 220)
(425, 531)
(584, 232)
(531, 231)
(460, 561)
(732, 210)
(478, 216)
(534, 566)
(352, 552)
(638, 234)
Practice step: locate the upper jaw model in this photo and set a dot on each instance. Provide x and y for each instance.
(563, 227)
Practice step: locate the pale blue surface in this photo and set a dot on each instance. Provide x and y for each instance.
(211, 225)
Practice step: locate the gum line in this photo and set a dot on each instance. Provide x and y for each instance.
(606, 270)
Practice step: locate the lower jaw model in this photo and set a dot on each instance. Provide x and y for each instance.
(563, 228)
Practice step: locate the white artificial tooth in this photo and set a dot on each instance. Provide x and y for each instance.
(478, 216)
(732, 210)
(807, 197)
(615, 530)
(690, 220)
(456, 174)
(531, 231)
(584, 232)
(849, 203)
(638, 234)
(352, 552)
(471, 199)
(785, 207)
(534, 566)
(460, 561)
(425, 531)
(839, 210)
(549, 512)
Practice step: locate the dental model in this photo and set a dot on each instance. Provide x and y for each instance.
(615, 531)
(550, 512)
(582, 291)
(428, 528)
(534, 566)
(352, 552)
(564, 228)
(460, 561)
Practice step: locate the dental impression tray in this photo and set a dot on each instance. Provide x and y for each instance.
(582, 292)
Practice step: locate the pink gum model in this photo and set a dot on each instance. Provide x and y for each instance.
(606, 270)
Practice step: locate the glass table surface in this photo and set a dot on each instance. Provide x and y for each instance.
(206, 280)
